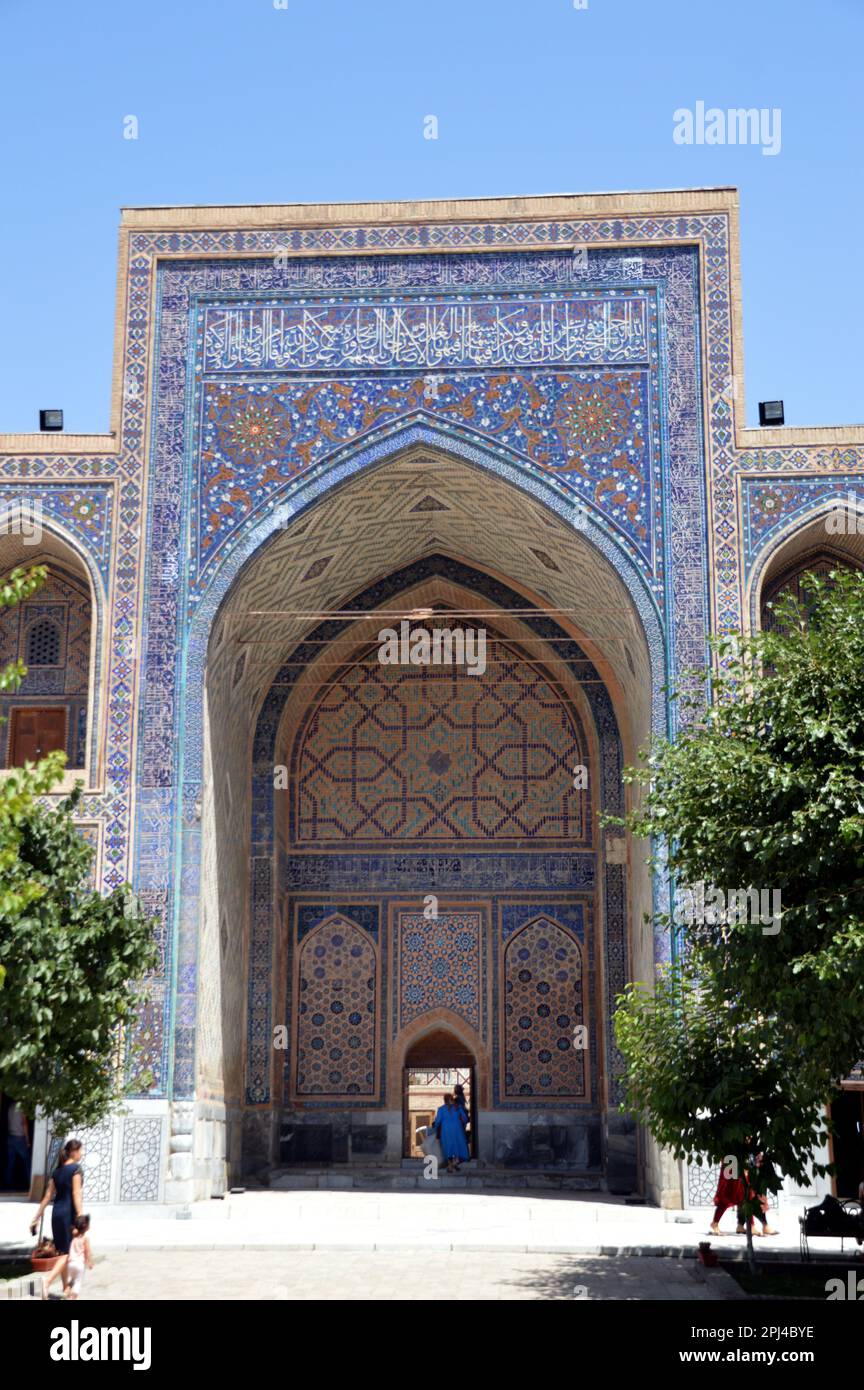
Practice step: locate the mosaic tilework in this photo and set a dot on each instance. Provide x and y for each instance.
(258, 1024)
(179, 288)
(84, 513)
(337, 1012)
(771, 505)
(311, 915)
(447, 871)
(439, 965)
(438, 332)
(308, 917)
(438, 753)
(543, 1004)
(592, 430)
(345, 274)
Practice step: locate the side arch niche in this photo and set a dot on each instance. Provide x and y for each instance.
(545, 1043)
(813, 545)
(55, 634)
(336, 1012)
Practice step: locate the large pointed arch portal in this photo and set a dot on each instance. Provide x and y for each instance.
(348, 837)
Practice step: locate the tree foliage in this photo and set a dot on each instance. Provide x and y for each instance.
(746, 1037)
(71, 958)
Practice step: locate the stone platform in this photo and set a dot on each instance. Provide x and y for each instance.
(409, 1176)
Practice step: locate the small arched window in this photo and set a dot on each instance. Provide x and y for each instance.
(43, 644)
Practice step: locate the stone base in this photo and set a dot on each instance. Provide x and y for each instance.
(197, 1151)
(622, 1169)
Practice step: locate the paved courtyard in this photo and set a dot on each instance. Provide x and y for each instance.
(369, 1221)
(401, 1275)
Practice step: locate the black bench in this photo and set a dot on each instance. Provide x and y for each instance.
(839, 1219)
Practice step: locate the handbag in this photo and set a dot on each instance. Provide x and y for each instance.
(431, 1146)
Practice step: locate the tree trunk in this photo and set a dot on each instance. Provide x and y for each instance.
(751, 1257)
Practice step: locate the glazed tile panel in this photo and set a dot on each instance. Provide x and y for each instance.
(337, 1012)
(439, 965)
(436, 753)
(543, 1009)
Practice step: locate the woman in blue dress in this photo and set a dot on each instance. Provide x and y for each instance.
(451, 1132)
(65, 1191)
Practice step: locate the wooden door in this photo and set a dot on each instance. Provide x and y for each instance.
(35, 732)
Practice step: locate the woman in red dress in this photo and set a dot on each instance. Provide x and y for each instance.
(730, 1193)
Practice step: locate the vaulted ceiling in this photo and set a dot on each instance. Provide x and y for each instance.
(418, 505)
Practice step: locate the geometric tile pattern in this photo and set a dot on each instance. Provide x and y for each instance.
(398, 753)
(587, 411)
(543, 1004)
(439, 965)
(96, 1162)
(140, 1158)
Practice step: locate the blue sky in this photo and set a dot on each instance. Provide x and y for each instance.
(238, 101)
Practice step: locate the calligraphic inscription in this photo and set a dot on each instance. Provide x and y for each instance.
(525, 330)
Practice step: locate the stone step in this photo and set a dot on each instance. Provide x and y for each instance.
(415, 1165)
(393, 1178)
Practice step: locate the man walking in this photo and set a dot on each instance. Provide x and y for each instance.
(17, 1148)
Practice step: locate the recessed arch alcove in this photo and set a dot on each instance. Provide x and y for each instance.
(408, 535)
(832, 534)
(57, 633)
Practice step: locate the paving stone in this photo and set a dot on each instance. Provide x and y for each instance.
(422, 1275)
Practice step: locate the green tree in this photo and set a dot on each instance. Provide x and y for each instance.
(17, 587)
(762, 791)
(71, 959)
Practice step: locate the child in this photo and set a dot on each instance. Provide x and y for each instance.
(79, 1256)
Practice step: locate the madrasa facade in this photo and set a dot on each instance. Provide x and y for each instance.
(509, 435)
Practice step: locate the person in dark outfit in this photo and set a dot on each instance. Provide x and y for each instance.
(462, 1111)
(65, 1191)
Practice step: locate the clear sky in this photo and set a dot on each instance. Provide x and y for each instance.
(239, 101)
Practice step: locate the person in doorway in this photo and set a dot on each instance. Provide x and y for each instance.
(65, 1191)
(451, 1133)
(17, 1148)
(79, 1256)
(462, 1111)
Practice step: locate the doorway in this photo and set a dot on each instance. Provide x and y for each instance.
(847, 1142)
(35, 733)
(434, 1066)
